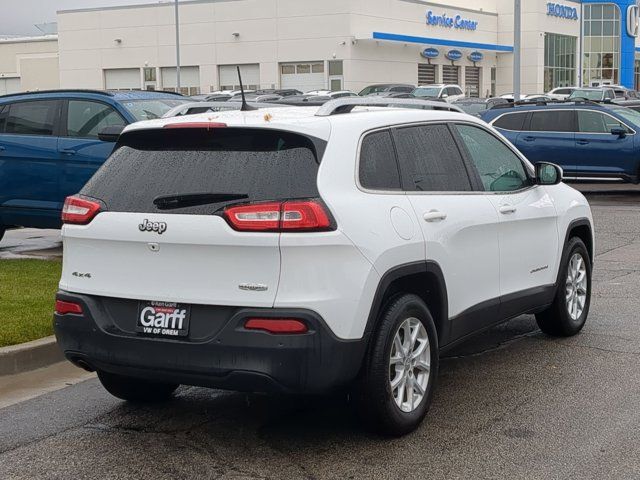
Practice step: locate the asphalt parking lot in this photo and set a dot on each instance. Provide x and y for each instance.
(511, 404)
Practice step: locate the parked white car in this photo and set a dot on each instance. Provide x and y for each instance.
(449, 93)
(561, 93)
(313, 249)
(332, 94)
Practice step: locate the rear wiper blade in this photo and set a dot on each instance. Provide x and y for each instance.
(169, 202)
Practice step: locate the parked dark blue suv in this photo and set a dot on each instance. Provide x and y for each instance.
(591, 141)
(49, 146)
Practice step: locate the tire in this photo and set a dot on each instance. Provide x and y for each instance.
(558, 320)
(376, 400)
(135, 389)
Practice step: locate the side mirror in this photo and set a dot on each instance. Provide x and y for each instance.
(445, 95)
(548, 173)
(619, 131)
(110, 133)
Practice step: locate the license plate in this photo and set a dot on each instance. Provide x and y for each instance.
(163, 319)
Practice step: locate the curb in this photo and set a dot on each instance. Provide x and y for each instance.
(29, 356)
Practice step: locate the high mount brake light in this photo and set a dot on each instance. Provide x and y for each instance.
(79, 211)
(282, 326)
(292, 216)
(207, 125)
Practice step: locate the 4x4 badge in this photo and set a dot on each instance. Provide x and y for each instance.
(147, 226)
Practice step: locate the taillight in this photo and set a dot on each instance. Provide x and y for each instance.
(63, 307)
(254, 217)
(299, 215)
(79, 211)
(281, 326)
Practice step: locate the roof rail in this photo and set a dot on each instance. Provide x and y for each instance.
(63, 90)
(139, 90)
(525, 103)
(345, 105)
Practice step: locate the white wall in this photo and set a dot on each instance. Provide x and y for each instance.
(32, 60)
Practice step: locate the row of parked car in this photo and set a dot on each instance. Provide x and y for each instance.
(51, 143)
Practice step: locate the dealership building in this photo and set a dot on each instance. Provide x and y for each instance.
(339, 44)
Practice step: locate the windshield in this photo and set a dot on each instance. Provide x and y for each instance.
(374, 89)
(588, 94)
(427, 92)
(628, 114)
(151, 109)
(472, 108)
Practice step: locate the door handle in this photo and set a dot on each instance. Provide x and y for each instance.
(507, 209)
(582, 142)
(2, 149)
(528, 139)
(434, 216)
(68, 151)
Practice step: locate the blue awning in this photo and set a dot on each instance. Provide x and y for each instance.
(440, 41)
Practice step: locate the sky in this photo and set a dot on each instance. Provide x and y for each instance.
(19, 16)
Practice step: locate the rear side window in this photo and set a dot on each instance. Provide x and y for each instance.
(511, 121)
(378, 169)
(430, 160)
(33, 118)
(230, 165)
(85, 119)
(552, 121)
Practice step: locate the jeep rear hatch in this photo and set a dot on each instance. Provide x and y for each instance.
(193, 215)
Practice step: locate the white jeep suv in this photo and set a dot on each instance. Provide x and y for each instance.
(314, 249)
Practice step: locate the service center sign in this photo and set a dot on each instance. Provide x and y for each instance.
(562, 11)
(451, 22)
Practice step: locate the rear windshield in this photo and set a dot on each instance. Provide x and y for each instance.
(236, 165)
(152, 109)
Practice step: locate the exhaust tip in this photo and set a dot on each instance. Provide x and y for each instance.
(83, 364)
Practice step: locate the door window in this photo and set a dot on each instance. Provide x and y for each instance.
(378, 168)
(3, 117)
(430, 160)
(552, 121)
(596, 122)
(33, 118)
(499, 168)
(85, 119)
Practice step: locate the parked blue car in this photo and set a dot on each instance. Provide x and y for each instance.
(590, 141)
(50, 146)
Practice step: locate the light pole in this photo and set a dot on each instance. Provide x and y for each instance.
(177, 48)
(517, 33)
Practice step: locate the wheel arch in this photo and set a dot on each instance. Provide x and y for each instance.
(424, 279)
(582, 229)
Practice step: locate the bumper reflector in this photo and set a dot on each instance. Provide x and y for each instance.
(62, 308)
(280, 326)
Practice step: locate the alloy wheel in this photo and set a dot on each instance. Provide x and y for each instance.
(576, 286)
(409, 364)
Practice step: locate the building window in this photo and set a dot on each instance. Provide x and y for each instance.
(149, 74)
(494, 71)
(336, 78)
(601, 62)
(559, 61)
(636, 72)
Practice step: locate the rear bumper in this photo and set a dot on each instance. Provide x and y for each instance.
(218, 353)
